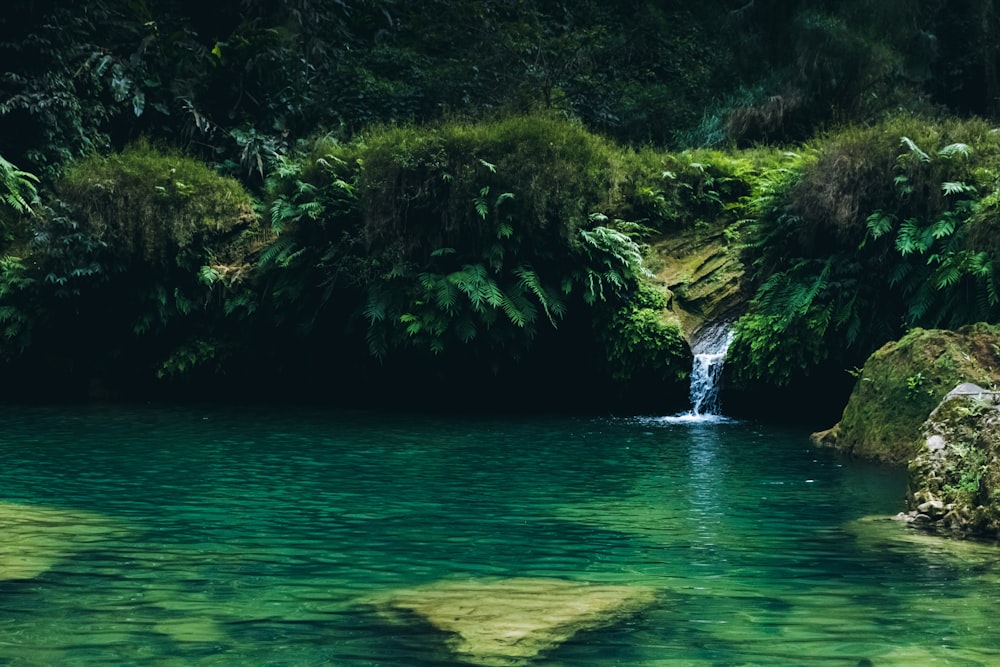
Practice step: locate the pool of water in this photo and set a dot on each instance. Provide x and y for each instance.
(209, 536)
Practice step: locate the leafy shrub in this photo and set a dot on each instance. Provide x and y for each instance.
(459, 232)
(865, 234)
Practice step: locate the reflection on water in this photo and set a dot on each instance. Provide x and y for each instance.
(228, 537)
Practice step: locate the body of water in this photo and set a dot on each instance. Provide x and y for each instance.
(204, 536)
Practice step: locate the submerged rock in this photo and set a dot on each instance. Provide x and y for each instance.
(884, 533)
(506, 622)
(35, 538)
(902, 383)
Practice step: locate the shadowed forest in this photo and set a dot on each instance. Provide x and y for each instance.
(458, 204)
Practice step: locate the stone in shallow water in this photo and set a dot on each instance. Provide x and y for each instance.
(35, 538)
(505, 622)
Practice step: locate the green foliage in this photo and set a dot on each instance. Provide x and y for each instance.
(15, 286)
(864, 232)
(914, 383)
(18, 196)
(449, 234)
(153, 205)
(643, 339)
(187, 357)
(17, 187)
(669, 191)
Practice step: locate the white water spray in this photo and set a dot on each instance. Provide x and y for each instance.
(709, 349)
(709, 357)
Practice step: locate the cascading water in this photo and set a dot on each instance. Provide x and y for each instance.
(709, 349)
(709, 357)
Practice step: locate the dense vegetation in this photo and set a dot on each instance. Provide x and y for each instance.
(269, 192)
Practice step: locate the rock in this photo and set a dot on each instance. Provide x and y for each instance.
(934, 506)
(954, 479)
(700, 268)
(904, 381)
(966, 389)
(35, 538)
(494, 622)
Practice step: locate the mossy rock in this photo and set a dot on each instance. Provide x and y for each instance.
(903, 381)
(954, 481)
(701, 271)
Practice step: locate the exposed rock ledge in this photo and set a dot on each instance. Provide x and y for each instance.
(701, 272)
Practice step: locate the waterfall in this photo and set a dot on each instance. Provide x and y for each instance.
(709, 349)
(709, 357)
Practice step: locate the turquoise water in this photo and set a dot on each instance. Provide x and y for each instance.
(205, 536)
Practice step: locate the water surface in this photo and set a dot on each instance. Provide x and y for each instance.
(206, 536)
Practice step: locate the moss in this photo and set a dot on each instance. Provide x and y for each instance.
(646, 339)
(150, 203)
(702, 271)
(902, 383)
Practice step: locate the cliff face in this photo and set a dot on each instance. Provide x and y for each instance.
(701, 271)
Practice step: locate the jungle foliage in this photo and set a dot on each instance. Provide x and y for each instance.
(265, 188)
(460, 238)
(869, 232)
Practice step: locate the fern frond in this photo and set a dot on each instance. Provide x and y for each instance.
(446, 295)
(466, 330)
(913, 148)
(879, 224)
(951, 150)
(957, 188)
(479, 203)
(920, 304)
(502, 197)
(529, 280)
(208, 275)
(519, 310)
(948, 274)
(376, 306)
(943, 227)
(912, 238)
(19, 186)
(281, 247)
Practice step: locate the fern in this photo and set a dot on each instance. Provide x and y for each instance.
(551, 304)
(915, 150)
(947, 275)
(376, 305)
(956, 188)
(17, 188)
(959, 149)
(912, 238)
(279, 251)
(479, 203)
(208, 275)
(879, 224)
(519, 310)
(466, 330)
